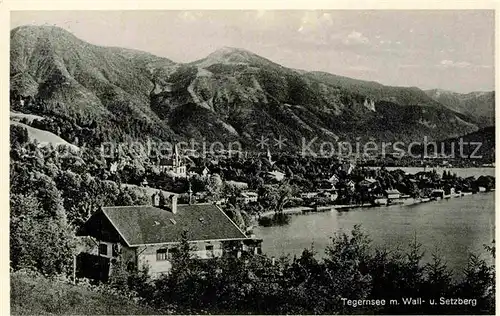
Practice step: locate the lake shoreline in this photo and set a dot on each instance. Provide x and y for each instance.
(304, 210)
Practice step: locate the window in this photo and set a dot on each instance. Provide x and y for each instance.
(209, 249)
(161, 254)
(171, 253)
(165, 254)
(103, 249)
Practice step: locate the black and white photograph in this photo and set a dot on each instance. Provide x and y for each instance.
(235, 162)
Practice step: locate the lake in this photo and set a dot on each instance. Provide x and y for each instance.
(452, 228)
(461, 172)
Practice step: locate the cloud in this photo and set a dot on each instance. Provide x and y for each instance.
(315, 28)
(388, 42)
(314, 21)
(356, 38)
(446, 63)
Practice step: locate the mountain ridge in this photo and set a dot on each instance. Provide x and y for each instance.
(232, 94)
(480, 105)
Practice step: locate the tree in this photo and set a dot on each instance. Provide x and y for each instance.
(413, 275)
(132, 173)
(39, 240)
(445, 175)
(275, 197)
(236, 216)
(231, 192)
(253, 208)
(179, 286)
(255, 182)
(119, 276)
(18, 135)
(438, 282)
(345, 262)
(214, 187)
(305, 286)
(479, 283)
(486, 181)
(80, 196)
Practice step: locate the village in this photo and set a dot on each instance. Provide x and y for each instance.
(218, 200)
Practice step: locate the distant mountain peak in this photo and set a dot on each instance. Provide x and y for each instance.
(43, 31)
(228, 55)
(231, 56)
(230, 50)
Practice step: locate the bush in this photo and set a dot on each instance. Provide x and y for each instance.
(350, 268)
(33, 294)
(278, 219)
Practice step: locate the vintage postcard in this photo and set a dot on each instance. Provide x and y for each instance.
(245, 160)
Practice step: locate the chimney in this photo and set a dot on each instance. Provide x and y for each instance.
(155, 199)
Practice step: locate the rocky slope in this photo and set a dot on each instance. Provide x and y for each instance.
(478, 105)
(232, 94)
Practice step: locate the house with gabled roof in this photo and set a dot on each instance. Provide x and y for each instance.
(392, 194)
(347, 167)
(149, 235)
(248, 197)
(201, 171)
(333, 179)
(368, 184)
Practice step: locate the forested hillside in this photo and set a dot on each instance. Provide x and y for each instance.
(232, 94)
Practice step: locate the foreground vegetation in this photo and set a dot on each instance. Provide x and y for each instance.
(33, 294)
(255, 284)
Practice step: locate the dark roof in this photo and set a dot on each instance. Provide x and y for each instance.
(199, 169)
(169, 162)
(392, 191)
(139, 225)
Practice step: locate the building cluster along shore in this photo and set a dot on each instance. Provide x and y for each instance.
(253, 187)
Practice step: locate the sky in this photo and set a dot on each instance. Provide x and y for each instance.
(445, 49)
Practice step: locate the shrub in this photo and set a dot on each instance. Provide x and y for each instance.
(33, 294)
